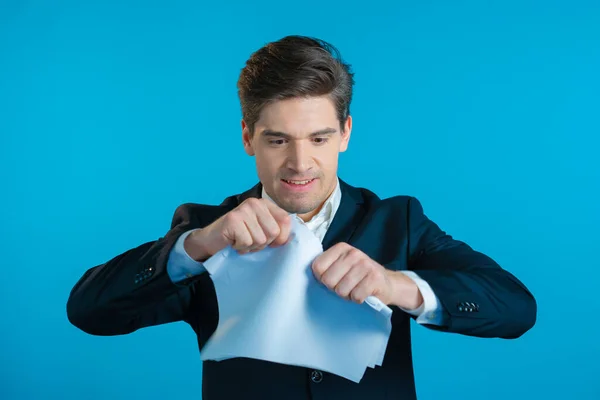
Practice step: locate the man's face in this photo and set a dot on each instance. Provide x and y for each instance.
(298, 140)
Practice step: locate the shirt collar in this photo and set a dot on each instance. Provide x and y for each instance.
(329, 208)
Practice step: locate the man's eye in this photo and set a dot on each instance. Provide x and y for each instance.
(279, 142)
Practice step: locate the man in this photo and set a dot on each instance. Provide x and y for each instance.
(295, 96)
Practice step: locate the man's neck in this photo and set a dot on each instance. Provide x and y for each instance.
(308, 216)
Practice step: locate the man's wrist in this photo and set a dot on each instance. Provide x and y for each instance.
(194, 248)
(405, 292)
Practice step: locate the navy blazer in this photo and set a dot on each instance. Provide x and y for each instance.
(478, 297)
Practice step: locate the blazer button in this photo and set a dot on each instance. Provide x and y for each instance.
(316, 376)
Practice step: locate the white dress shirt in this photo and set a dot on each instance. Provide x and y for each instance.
(180, 265)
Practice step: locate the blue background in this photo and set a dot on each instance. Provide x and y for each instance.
(112, 113)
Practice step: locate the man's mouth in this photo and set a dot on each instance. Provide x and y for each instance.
(299, 183)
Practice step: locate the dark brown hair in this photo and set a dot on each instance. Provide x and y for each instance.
(294, 66)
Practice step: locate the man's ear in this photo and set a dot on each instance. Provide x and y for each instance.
(346, 134)
(246, 141)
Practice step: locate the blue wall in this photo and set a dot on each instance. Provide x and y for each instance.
(114, 113)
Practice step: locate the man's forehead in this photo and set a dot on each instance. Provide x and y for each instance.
(298, 109)
(298, 118)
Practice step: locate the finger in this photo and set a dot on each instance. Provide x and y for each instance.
(243, 239)
(327, 258)
(365, 288)
(236, 229)
(251, 225)
(350, 281)
(285, 226)
(259, 237)
(249, 231)
(277, 212)
(336, 271)
(283, 221)
(270, 226)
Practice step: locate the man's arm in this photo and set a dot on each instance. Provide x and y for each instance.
(430, 312)
(134, 289)
(180, 264)
(477, 296)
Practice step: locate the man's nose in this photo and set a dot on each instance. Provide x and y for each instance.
(299, 158)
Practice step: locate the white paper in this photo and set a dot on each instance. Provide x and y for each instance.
(272, 308)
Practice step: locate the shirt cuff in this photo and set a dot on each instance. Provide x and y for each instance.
(430, 311)
(180, 265)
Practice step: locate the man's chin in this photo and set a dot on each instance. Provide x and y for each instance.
(298, 210)
(295, 208)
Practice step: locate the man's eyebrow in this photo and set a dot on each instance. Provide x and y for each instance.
(278, 134)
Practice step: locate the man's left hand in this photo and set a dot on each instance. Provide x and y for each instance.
(354, 276)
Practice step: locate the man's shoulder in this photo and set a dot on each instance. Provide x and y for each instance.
(371, 199)
(202, 212)
(198, 214)
(399, 207)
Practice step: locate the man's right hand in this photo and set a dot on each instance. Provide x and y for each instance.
(251, 226)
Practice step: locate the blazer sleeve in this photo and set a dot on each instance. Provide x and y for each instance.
(478, 297)
(134, 290)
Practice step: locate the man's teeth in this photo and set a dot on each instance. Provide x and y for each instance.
(298, 182)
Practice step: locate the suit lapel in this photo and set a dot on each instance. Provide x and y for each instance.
(347, 217)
